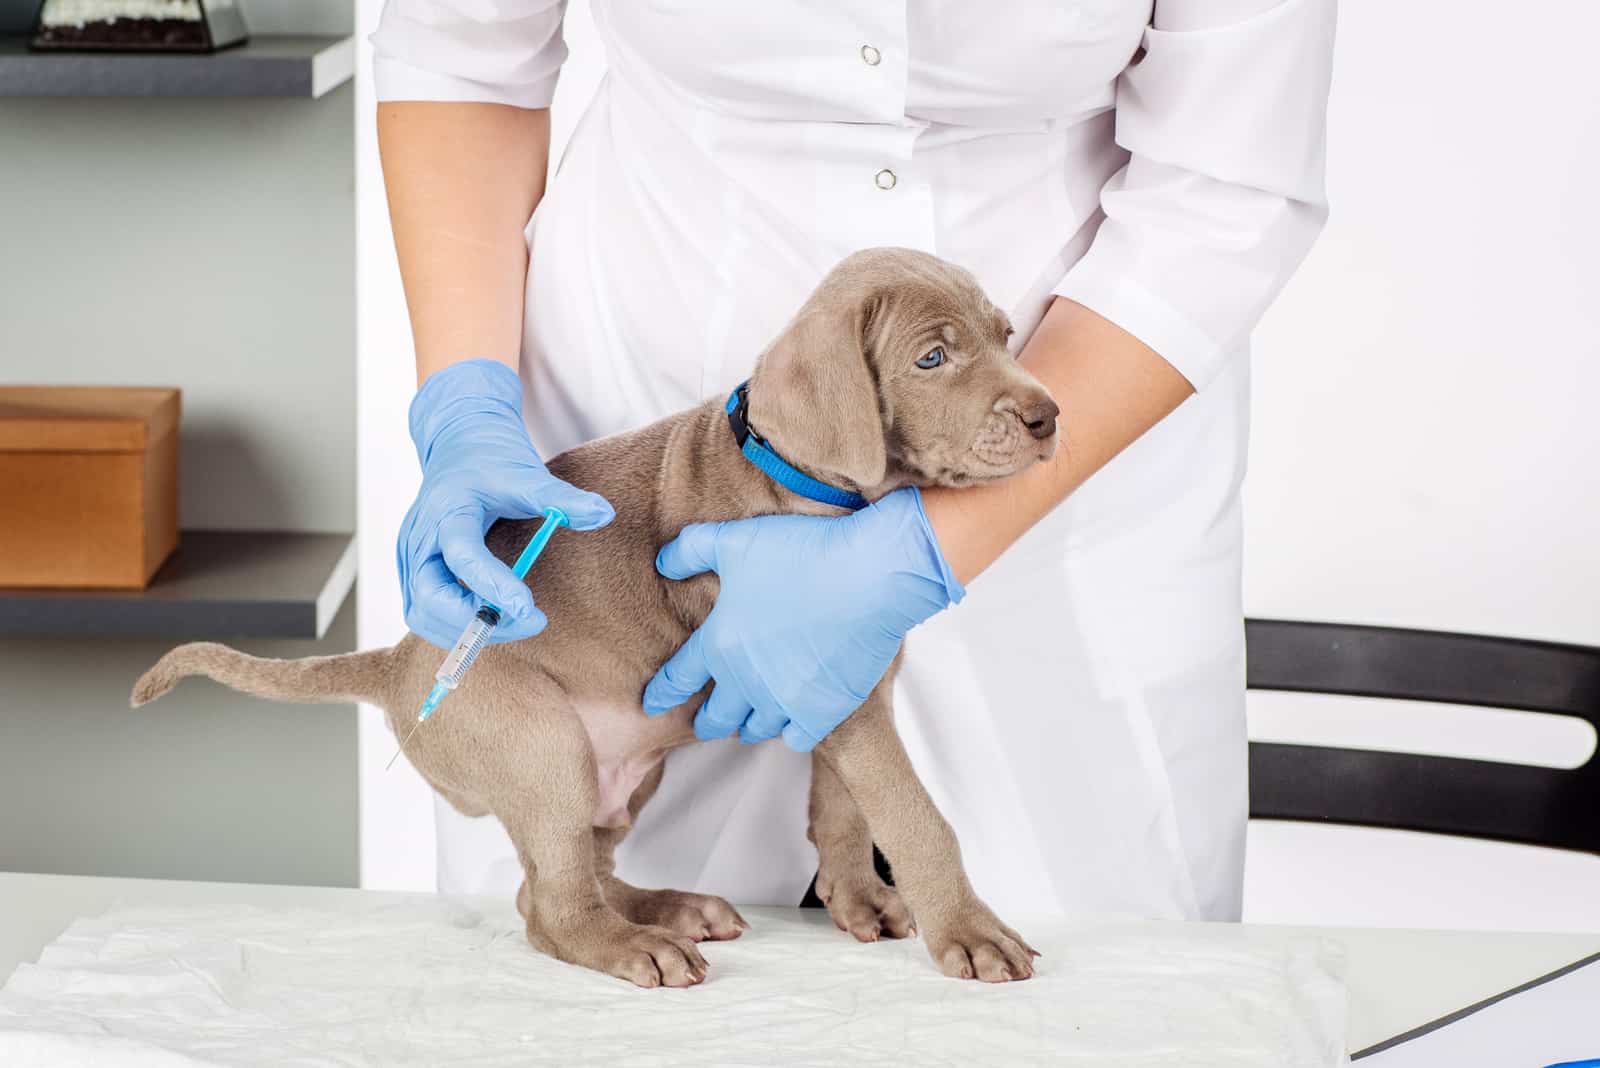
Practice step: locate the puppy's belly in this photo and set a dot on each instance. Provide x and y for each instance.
(627, 746)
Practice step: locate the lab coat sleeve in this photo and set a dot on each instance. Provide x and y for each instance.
(480, 51)
(1224, 118)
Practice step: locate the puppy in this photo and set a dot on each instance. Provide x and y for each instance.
(547, 734)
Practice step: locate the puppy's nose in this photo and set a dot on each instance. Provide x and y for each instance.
(1040, 417)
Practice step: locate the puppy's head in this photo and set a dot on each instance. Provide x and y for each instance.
(895, 372)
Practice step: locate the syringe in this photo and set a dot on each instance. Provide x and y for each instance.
(476, 636)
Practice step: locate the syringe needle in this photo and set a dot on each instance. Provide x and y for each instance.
(409, 735)
(441, 688)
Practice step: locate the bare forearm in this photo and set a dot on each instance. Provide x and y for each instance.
(462, 181)
(1111, 388)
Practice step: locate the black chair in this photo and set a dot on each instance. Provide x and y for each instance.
(1555, 807)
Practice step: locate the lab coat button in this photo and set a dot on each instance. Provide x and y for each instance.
(871, 56)
(885, 179)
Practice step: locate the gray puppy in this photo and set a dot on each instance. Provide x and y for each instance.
(548, 735)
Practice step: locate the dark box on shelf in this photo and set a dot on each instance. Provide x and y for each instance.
(138, 25)
(88, 485)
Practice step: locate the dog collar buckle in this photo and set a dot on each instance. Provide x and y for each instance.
(766, 459)
(739, 416)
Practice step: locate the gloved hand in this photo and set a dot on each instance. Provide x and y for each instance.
(810, 615)
(477, 466)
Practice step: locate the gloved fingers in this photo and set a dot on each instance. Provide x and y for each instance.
(585, 510)
(437, 608)
(683, 675)
(460, 537)
(440, 609)
(762, 725)
(402, 562)
(511, 629)
(692, 552)
(722, 713)
(796, 738)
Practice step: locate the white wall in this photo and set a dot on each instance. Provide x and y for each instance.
(1425, 451)
(396, 817)
(1421, 455)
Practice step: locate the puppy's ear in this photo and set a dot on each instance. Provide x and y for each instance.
(814, 395)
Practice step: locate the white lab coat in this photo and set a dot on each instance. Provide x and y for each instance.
(1080, 717)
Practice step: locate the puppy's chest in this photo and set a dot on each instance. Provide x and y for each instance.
(627, 745)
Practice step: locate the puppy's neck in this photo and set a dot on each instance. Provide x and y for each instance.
(894, 478)
(705, 478)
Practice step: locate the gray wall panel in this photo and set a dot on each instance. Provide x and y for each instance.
(203, 784)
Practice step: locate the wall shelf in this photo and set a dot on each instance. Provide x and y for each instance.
(219, 584)
(264, 66)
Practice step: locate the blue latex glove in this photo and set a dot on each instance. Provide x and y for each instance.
(477, 466)
(810, 615)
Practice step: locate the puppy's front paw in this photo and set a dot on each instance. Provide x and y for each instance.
(866, 907)
(974, 944)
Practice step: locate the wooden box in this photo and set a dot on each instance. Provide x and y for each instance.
(88, 485)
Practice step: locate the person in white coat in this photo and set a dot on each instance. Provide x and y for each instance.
(1132, 181)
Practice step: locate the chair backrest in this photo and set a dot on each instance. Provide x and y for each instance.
(1557, 807)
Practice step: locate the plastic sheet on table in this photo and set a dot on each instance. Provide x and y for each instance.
(430, 982)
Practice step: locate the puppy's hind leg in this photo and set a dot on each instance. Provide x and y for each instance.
(859, 901)
(695, 916)
(542, 787)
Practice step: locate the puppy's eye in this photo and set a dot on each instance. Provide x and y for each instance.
(932, 358)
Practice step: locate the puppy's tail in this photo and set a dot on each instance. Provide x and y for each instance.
(316, 679)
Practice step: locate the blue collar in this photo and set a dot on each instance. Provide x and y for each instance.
(775, 467)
